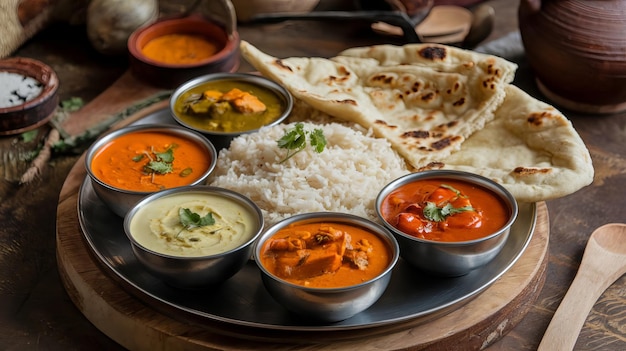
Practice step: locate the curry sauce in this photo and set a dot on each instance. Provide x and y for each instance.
(325, 255)
(228, 106)
(445, 210)
(149, 161)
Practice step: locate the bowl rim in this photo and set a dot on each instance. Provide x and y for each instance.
(473, 178)
(230, 40)
(332, 217)
(161, 127)
(239, 197)
(258, 79)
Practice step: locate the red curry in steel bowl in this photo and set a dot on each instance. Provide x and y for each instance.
(447, 222)
(445, 210)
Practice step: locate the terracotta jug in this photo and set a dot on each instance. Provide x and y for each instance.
(577, 50)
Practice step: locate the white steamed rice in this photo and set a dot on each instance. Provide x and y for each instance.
(345, 177)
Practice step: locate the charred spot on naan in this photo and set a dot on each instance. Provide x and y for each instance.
(347, 102)
(544, 118)
(433, 53)
(529, 171)
(429, 140)
(343, 75)
(280, 64)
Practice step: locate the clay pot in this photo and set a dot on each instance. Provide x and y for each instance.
(577, 50)
(220, 27)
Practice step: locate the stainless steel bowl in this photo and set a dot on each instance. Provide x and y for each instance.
(450, 258)
(196, 272)
(121, 201)
(222, 139)
(328, 304)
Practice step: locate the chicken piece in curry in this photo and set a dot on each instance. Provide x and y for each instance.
(216, 102)
(324, 255)
(228, 106)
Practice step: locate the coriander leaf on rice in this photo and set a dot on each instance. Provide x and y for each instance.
(346, 177)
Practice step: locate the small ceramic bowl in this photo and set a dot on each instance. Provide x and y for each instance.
(200, 256)
(450, 257)
(30, 94)
(170, 75)
(121, 190)
(327, 304)
(278, 100)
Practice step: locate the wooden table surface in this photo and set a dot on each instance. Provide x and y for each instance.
(36, 312)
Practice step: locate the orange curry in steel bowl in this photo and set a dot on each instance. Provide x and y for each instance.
(325, 255)
(327, 266)
(132, 162)
(149, 160)
(447, 222)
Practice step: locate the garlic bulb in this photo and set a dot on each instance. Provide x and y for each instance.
(111, 22)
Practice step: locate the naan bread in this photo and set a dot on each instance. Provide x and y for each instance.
(426, 101)
(530, 148)
(498, 130)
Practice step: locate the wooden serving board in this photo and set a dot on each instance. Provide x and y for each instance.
(138, 325)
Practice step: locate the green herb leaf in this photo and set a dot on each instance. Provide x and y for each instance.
(161, 163)
(138, 158)
(166, 156)
(318, 140)
(158, 167)
(294, 140)
(439, 214)
(191, 220)
(451, 188)
(30, 135)
(72, 104)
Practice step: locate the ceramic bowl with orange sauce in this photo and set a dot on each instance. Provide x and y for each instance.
(170, 51)
(135, 161)
(326, 266)
(446, 222)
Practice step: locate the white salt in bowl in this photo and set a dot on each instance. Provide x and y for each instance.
(28, 97)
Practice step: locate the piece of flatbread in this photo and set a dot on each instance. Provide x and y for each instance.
(530, 148)
(425, 104)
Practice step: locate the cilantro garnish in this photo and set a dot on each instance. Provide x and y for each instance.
(294, 140)
(191, 220)
(159, 167)
(159, 162)
(435, 213)
(439, 214)
(451, 188)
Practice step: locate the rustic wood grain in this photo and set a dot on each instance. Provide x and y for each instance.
(125, 91)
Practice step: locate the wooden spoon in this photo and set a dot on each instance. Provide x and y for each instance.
(604, 261)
